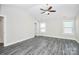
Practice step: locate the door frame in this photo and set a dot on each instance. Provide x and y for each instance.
(4, 29)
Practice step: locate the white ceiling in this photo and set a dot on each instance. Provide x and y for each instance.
(68, 10)
(61, 9)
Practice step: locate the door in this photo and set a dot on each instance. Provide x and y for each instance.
(1, 31)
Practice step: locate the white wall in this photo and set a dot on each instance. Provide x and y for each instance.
(0, 8)
(19, 24)
(77, 27)
(54, 27)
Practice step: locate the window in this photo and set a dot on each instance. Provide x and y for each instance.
(68, 26)
(42, 27)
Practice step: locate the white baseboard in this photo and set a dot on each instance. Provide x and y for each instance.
(59, 37)
(38, 35)
(18, 41)
(77, 40)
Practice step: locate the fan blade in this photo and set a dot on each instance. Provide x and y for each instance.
(42, 12)
(42, 9)
(50, 8)
(52, 11)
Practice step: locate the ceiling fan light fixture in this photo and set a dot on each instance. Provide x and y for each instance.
(48, 10)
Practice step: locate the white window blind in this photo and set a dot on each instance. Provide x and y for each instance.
(42, 27)
(68, 26)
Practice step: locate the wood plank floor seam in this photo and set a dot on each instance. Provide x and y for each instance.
(42, 45)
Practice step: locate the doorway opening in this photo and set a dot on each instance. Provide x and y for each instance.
(35, 24)
(1, 31)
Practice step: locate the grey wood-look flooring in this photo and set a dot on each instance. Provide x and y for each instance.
(42, 46)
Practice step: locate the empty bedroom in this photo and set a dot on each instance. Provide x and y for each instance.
(39, 29)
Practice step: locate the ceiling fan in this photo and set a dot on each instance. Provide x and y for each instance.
(48, 10)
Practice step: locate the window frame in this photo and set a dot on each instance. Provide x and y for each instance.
(42, 28)
(69, 27)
